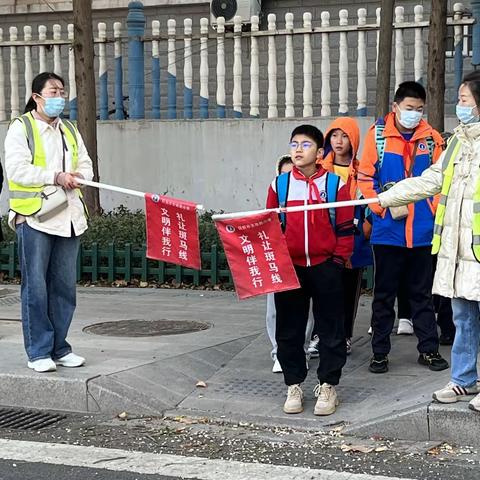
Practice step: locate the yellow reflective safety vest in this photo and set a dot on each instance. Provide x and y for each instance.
(28, 200)
(453, 148)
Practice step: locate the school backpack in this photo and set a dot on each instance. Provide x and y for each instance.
(282, 184)
(380, 142)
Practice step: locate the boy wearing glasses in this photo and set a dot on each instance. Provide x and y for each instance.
(320, 242)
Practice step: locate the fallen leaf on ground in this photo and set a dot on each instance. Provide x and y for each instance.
(357, 448)
(201, 384)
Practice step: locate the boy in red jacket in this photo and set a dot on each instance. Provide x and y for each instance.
(319, 250)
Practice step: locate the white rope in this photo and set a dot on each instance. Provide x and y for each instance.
(300, 208)
(113, 188)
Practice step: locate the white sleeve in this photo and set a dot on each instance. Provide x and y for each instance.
(415, 188)
(18, 160)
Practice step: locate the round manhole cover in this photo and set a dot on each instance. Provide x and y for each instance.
(146, 328)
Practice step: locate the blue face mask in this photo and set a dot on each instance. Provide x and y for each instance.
(54, 106)
(409, 119)
(465, 114)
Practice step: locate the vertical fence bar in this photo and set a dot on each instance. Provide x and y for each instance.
(272, 68)
(11, 260)
(155, 69)
(475, 4)
(127, 261)
(3, 113)
(187, 70)
(42, 53)
(214, 265)
(136, 75)
(254, 70)
(378, 14)
(399, 45)
(94, 259)
(111, 262)
(221, 110)
(458, 10)
(237, 66)
(72, 86)
(418, 58)
(27, 36)
(204, 70)
(117, 35)
(172, 70)
(362, 65)
(343, 66)
(102, 70)
(57, 54)
(14, 99)
(307, 67)
(325, 68)
(289, 68)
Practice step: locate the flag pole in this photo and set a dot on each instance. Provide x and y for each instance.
(299, 208)
(113, 188)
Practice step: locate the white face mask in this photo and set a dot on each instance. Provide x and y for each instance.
(409, 119)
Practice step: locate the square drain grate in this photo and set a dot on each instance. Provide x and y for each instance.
(16, 419)
(272, 388)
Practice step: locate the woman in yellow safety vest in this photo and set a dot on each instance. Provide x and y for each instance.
(44, 156)
(456, 240)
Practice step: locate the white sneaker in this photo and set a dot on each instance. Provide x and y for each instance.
(42, 365)
(405, 327)
(313, 347)
(277, 368)
(452, 393)
(70, 360)
(294, 401)
(327, 400)
(370, 331)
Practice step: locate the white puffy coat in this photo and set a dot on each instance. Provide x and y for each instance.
(458, 272)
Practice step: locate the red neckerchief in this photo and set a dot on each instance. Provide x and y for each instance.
(312, 188)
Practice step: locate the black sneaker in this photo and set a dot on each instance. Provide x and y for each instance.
(434, 361)
(378, 363)
(446, 339)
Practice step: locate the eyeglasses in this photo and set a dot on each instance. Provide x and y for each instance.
(305, 145)
(54, 92)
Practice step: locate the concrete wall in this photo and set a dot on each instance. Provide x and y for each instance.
(223, 164)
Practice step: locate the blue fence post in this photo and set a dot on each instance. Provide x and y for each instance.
(458, 50)
(117, 33)
(475, 4)
(136, 76)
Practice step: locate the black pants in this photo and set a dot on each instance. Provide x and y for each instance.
(323, 285)
(442, 306)
(415, 265)
(352, 284)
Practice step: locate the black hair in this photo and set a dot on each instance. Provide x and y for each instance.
(282, 161)
(38, 85)
(410, 89)
(309, 131)
(472, 81)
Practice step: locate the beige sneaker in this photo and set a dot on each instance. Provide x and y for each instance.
(475, 403)
(294, 401)
(452, 393)
(327, 400)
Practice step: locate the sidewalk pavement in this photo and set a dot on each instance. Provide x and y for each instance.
(158, 374)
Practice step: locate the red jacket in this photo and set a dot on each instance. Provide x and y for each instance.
(310, 237)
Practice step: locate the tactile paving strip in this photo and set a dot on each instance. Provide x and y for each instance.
(272, 388)
(10, 301)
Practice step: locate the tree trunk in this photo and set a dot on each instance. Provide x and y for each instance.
(384, 58)
(437, 39)
(86, 97)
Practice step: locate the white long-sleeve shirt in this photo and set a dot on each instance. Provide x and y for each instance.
(20, 169)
